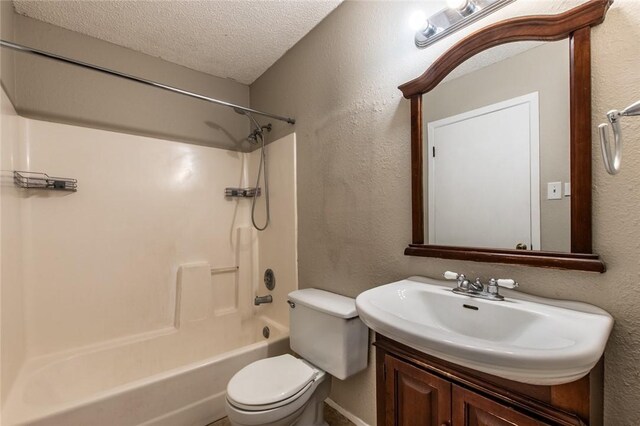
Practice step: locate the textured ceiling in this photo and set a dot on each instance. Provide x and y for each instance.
(236, 39)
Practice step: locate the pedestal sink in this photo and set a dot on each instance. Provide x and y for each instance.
(523, 338)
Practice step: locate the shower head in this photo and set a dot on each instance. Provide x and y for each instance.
(259, 130)
(262, 169)
(253, 137)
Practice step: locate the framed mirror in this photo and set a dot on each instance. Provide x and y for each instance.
(501, 145)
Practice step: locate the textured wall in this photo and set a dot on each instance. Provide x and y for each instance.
(54, 91)
(353, 156)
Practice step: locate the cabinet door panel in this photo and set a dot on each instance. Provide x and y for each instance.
(471, 409)
(415, 397)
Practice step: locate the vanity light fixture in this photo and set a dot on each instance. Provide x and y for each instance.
(457, 15)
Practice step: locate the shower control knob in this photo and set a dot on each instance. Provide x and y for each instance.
(269, 279)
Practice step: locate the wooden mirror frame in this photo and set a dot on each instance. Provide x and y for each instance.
(574, 24)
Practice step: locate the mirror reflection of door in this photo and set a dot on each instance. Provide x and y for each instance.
(483, 178)
(495, 182)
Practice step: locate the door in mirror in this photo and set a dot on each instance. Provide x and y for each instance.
(497, 133)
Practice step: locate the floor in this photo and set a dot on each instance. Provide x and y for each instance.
(330, 415)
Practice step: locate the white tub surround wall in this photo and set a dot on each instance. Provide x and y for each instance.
(207, 291)
(279, 242)
(102, 263)
(117, 304)
(12, 324)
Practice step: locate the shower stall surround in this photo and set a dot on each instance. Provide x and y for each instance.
(109, 302)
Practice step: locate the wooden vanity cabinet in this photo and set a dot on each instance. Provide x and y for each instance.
(415, 396)
(473, 409)
(415, 389)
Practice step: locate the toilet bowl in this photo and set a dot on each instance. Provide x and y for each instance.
(278, 391)
(285, 391)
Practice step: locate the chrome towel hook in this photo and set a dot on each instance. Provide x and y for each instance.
(613, 160)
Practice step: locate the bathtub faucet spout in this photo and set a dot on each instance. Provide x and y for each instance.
(259, 300)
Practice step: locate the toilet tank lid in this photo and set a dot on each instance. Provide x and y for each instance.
(327, 302)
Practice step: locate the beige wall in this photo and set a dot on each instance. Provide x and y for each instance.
(53, 91)
(543, 69)
(353, 157)
(7, 63)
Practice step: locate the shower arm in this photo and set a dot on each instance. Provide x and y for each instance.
(248, 114)
(42, 53)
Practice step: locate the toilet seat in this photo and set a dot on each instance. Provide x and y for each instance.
(271, 383)
(274, 391)
(298, 396)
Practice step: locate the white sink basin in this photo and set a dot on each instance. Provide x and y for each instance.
(523, 338)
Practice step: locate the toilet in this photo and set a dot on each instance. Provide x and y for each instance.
(285, 390)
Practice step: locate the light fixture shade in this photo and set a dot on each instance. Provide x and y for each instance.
(418, 20)
(429, 29)
(457, 4)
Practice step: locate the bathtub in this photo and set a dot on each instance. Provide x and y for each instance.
(175, 377)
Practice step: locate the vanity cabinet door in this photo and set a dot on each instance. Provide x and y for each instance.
(471, 409)
(415, 397)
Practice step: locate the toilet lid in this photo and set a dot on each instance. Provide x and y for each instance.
(269, 380)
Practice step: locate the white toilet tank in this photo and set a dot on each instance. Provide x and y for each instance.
(326, 331)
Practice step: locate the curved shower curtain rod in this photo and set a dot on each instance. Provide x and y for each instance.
(129, 77)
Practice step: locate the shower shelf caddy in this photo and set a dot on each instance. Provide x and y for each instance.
(36, 180)
(242, 192)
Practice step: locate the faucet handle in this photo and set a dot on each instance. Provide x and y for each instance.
(463, 282)
(494, 286)
(451, 275)
(507, 283)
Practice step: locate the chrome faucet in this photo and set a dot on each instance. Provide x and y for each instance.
(491, 291)
(259, 300)
(464, 285)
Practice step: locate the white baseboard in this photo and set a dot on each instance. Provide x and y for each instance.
(352, 417)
